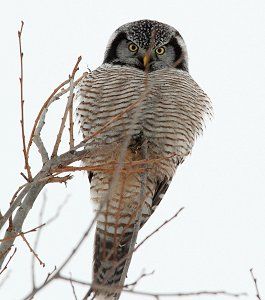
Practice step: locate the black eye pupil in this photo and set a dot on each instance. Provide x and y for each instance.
(133, 47)
(160, 50)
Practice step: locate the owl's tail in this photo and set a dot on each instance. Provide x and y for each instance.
(111, 253)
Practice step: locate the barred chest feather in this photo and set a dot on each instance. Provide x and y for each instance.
(166, 108)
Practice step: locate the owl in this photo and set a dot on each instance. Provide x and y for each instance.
(140, 113)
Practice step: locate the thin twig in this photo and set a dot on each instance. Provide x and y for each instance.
(24, 176)
(63, 179)
(71, 125)
(50, 274)
(37, 238)
(255, 283)
(58, 92)
(70, 110)
(36, 242)
(69, 103)
(158, 228)
(104, 169)
(188, 294)
(20, 233)
(73, 288)
(132, 250)
(42, 111)
(5, 278)
(5, 267)
(111, 166)
(137, 225)
(21, 78)
(41, 148)
(154, 294)
(133, 284)
(32, 250)
(5, 253)
(56, 273)
(15, 195)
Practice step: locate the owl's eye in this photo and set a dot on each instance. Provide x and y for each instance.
(160, 50)
(132, 47)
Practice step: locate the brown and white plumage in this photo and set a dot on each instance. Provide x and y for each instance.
(153, 116)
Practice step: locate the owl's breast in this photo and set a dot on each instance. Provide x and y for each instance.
(119, 104)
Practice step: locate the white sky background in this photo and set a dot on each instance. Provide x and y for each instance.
(220, 234)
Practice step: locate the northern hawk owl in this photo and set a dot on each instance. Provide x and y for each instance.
(140, 113)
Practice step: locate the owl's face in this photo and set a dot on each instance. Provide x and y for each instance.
(147, 45)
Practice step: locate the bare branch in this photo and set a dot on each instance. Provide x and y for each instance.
(50, 274)
(133, 284)
(111, 166)
(255, 283)
(30, 192)
(36, 242)
(32, 250)
(41, 148)
(7, 274)
(63, 179)
(73, 288)
(71, 122)
(21, 78)
(27, 194)
(138, 219)
(5, 267)
(15, 196)
(58, 92)
(20, 233)
(56, 274)
(158, 295)
(44, 174)
(24, 176)
(158, 228)
(68, 105)
(40, 121)
(188, 294)
(15, 202)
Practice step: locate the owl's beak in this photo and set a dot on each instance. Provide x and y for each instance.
(146, 59)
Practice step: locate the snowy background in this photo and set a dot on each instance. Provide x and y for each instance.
(220, 234)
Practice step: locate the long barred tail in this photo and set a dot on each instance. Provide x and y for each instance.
(110, 256)
(117, 224)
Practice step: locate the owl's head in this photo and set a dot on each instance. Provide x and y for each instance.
(147, 45)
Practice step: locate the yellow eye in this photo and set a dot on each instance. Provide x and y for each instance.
(132, 47)
(160, 50)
